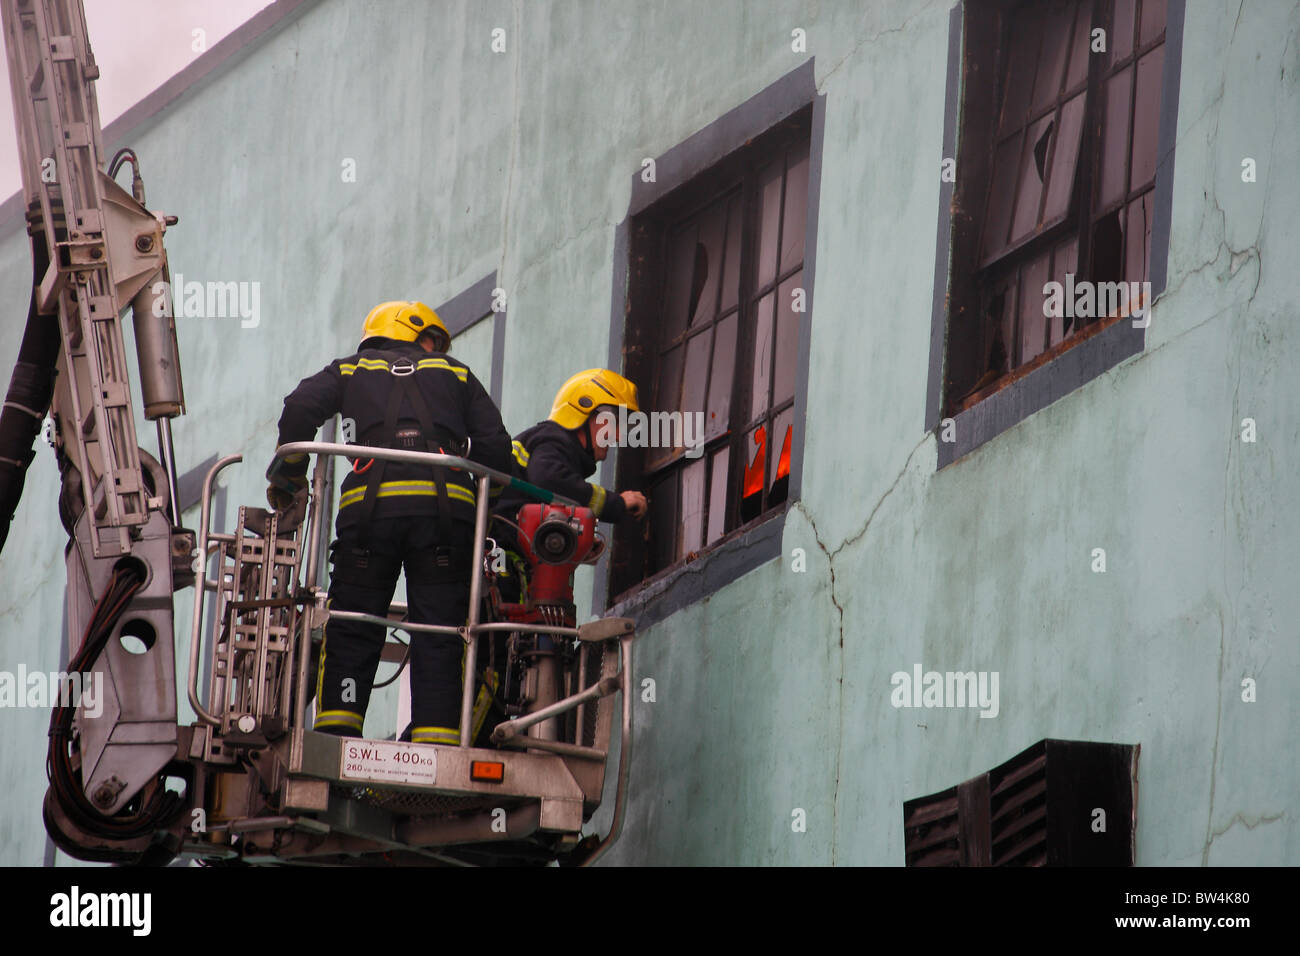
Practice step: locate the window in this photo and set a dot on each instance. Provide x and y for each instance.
(477, 342)
(1056, 181)
(1040, 808)
(716, 302)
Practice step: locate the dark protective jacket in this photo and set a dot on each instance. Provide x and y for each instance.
(360, 388)
(552, 457)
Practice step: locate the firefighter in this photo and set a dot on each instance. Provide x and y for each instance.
(560, 453)
(400, 390)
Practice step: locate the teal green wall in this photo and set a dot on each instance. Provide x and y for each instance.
(774, 694)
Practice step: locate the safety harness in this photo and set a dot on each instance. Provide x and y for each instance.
(425, 438)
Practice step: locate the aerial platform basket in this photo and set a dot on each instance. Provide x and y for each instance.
(274, 791)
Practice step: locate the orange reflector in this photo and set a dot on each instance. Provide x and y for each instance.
(487, 771)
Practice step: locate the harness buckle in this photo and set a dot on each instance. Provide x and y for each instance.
(442, 555)
(402, 367)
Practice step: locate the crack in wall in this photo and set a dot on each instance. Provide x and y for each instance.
(839, 609)
(857, 47)
(43, 576)
(1237, 312)
(1214, 750)
(551, 250)
(1260, 820)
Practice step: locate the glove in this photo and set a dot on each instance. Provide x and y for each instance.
(288, 477)
(280, 498)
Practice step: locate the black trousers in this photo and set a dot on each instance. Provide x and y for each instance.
(364, 578)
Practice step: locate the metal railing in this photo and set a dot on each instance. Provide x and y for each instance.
(510, 733)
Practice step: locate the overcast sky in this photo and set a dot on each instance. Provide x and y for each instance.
(139, 45)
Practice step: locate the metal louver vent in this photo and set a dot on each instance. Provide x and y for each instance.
(932, 831)
(1018, 809)
(1058, 803)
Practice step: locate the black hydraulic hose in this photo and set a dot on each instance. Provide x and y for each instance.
(30, 389)
(156, 805)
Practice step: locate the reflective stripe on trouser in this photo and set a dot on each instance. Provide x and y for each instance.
(435, 735)
(451, 735)
(483, 703)
(434, 596)
(338, 718)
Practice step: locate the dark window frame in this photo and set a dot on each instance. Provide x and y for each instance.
(731, 189)
(466, 310)
(973, 41)
(688, 165)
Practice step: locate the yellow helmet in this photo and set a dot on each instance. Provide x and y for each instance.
(585, 392)
(404, 321)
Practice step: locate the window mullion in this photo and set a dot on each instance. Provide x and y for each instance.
(1094, 111)
(746, 332)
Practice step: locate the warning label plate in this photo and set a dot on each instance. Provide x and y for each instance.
(388, 761)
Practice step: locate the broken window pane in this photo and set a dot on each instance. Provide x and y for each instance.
(1030, 189)
(668, 392)
(1051, 63)
(1146, 117)
(998, 219)
(1065, 262)
(1108, 249)
(708, 264)
(1119, 41)
(681, 260)
(1080, 47)
(1019, 81)
(1154, 13)
(697, 368)
(796, 210)
(692, 507)
(769, 189)
(731, 276)
(1000, 335)
(718, 495)
(1004, 338)
(1137, 238)
(663, 521)
(1033, 323)
(787, 339)
(1114, 136)
(717, 415)
(1060, 186)
(751, 489)
(667, 398)
(762, 377)
(778, 466)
